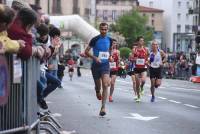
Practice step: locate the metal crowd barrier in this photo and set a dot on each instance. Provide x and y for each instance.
(19, 114)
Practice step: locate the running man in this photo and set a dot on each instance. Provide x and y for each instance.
(141, 60)
(131, 71)
(156, 59)
(101, 46)
(114, 65)
(70, 64)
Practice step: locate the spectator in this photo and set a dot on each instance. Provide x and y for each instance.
(6, 18)
(61, 68)
(20, 29)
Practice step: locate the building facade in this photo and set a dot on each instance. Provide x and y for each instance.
(109, 10)
(177, 33)
(155, 20)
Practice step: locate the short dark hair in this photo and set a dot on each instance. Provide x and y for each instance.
(42, 29)
(139, 37)
(6, 14)
(54, 32)
(103, 24)
(27, 16)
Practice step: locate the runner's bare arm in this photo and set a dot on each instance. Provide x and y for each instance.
(87, 52)
(163, 55)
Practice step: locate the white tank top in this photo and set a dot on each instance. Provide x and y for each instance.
(157, 60)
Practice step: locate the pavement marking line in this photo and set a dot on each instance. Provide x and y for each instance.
(140, 117)
(191, 106)
(56, 115)
(68, 132)
(163, 98)
(177, 102)
(186, 89)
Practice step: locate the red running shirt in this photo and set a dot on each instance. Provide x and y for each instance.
(115, 56)
(141, 57)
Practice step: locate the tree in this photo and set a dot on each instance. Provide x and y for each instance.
(124, 52)
(131, 25)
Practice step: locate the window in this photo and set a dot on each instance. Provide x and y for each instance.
(3, 1)
(75, 7)
(56, 6)
(105, 15)
(187, 28)
(87, 11)
(152, 22)
(151, 4)
(114, 1)
(114, 14)
(179, 4)
(187, 16)
(178, 16)
(188, 4)
(178, 28)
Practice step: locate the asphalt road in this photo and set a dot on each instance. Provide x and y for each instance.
(175, 111)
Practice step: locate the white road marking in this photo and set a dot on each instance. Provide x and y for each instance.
(177, 102)
(162, 98)
(68, 132)
(140, 117)
(56, 115)
(191, 106)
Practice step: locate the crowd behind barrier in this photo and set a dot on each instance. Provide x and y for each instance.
(19, 114)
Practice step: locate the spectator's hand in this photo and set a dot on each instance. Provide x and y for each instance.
(2, 48)
(21, 44)
(56, 42)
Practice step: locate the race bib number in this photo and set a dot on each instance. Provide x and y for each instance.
(140, 61)
(103, 55)
(113, 64)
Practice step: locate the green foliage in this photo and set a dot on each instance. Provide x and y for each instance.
(131, 25)
(124, 52)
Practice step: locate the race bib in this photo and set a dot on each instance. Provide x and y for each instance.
(155, 64)
(140, 61)
(103, 55)
(113, 64)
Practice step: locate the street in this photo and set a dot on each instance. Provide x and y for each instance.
(176, 109)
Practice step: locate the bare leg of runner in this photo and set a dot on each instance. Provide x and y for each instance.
(134, 84)
(105, 85)
(98, 89)
(112, 86)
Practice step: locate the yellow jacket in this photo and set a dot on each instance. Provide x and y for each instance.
(11, 46)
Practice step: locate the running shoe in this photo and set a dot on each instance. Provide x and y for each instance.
(152, 98)
(135, 98)
(138, 100)
(98, 95)
(42, 103)
(110, 99)
(102, 112)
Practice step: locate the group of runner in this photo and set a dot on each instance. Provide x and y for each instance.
(106, 60)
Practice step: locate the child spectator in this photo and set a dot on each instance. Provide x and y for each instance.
(6, 18)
